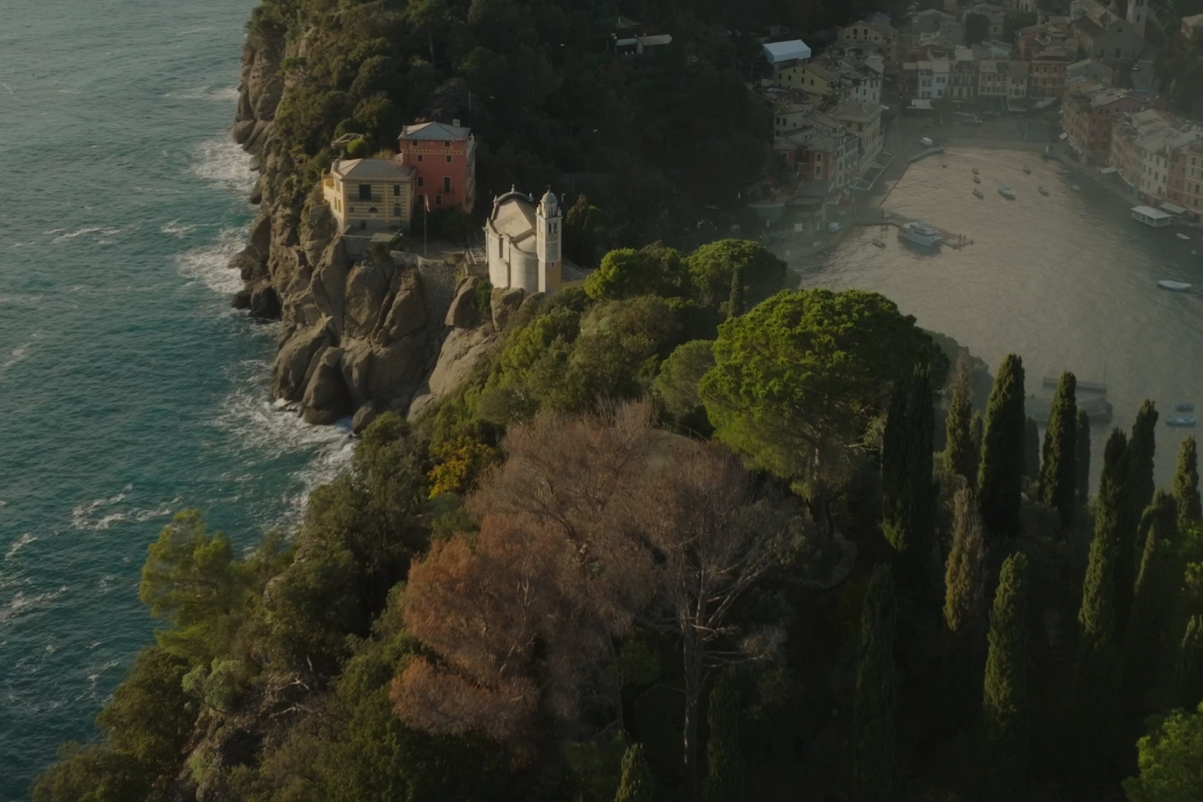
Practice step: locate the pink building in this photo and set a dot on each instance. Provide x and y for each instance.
(444, 158)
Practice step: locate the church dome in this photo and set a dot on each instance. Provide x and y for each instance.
(549, 203)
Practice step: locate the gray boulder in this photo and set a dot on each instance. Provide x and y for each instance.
(326, 397)
(504, 303)
(407, 314)
(463, 313)
(265, 303)
(363, 418)
(368, 286)
(461, 353)
(291, 368)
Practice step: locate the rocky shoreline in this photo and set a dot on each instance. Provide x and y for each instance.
(388, 333)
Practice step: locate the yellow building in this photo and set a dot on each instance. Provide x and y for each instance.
(369, 194)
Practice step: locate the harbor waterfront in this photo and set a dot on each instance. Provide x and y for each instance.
(1067, 280)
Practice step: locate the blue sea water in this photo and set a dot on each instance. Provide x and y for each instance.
(128, 387)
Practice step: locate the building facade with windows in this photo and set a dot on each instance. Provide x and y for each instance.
(444, 160)
(369, 194)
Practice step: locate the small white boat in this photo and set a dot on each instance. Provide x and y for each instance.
(1007, 193)
(879, 243)
(920, 233)
(977, 193)
(1182, 422)
(943, 164)
(977, 180)
(1075, 187)
(1174, 286)
(1027, 169)
(1042, 191)
(926, 141)
(975, 171)
(1183, 236)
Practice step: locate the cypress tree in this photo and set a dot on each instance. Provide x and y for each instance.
(727, 771)
(1097, 614)
(977, 433)
(875, 739)
(1188, 677)
(1186, 485)
(636, 784)
(964, 575)
(908, 490)
(1142, 639)
(1162, 512)
(1142, 446)
(1031, 450)
(1058, 474)
(1096, 676)
(1082, 457)
(735, 304)
(1138, 494)
(1000, 477)
(1005, 714)
(960, 451)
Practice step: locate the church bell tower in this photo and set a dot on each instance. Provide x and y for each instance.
(549, 226)
(1138, 15)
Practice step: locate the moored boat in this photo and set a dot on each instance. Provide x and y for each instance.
(1007, 193)
(1184, 407)
(1042, 190)
(920, 233)
(1180, 422)
(975, 171)
(879, 243)
(977, 180)
(1183, 236)
(1027, 169)
(1075, 187)
(1174, 286)
(977, 193)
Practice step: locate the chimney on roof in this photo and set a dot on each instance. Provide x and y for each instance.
(455, 122)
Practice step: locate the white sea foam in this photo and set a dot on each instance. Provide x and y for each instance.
(259, 426)
(177, 229)
(105, 234)
(223, 162)
(24, 603)
(100, 514)
(210, 264)
(18, 354)
(18, 544)
(225, 93)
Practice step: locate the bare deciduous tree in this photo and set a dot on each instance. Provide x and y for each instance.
(714, 536)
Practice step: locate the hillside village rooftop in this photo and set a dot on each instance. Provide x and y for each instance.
(782, 52)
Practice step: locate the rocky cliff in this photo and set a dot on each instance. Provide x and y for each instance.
(356, 337)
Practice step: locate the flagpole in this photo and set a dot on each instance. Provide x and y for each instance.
(426, 203)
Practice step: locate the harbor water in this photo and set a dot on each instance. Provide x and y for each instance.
(1068, 281)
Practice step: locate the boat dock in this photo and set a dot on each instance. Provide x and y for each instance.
(887, 219)
(923, 154)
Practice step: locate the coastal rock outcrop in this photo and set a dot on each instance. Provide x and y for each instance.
(461, 353)
(463, 313)
(503, 304)
(357, 336)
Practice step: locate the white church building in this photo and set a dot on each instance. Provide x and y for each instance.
(523, 242)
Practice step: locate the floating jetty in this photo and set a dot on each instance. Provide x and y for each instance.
(923, 154)
(950, 239)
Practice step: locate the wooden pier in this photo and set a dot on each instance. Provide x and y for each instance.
(888, 219)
